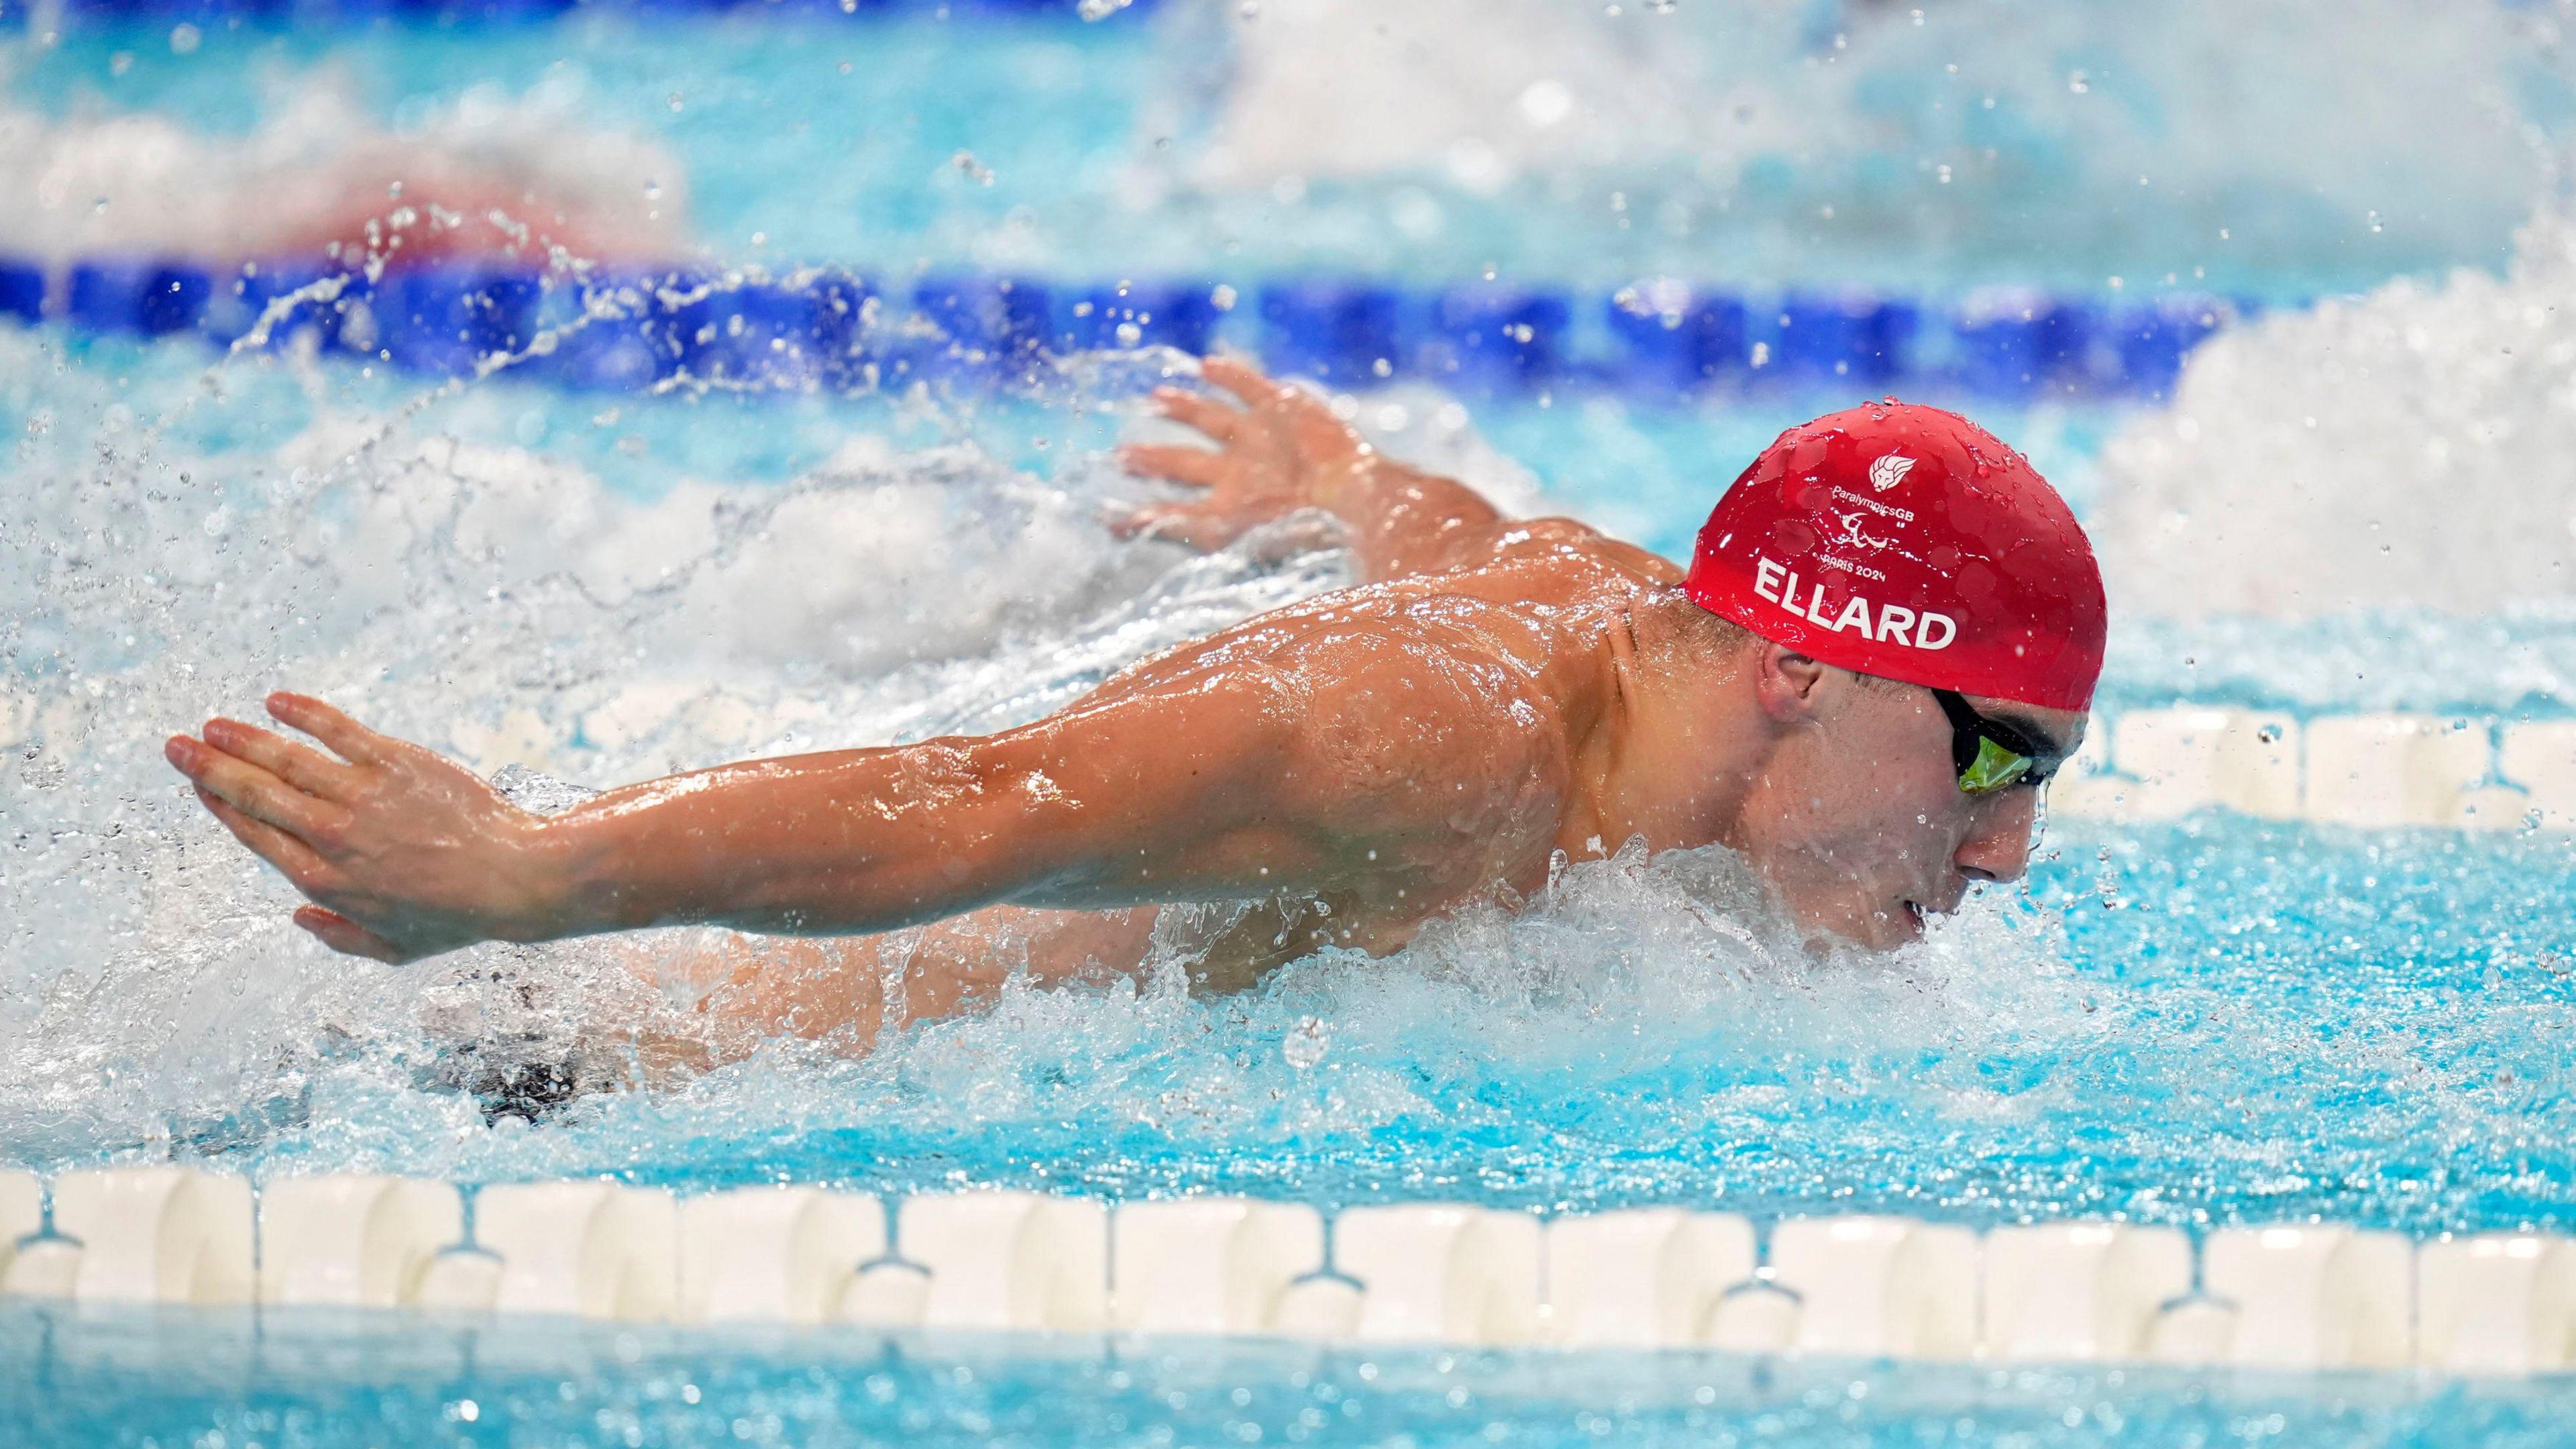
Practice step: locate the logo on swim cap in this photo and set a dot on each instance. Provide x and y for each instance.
(1980, 581)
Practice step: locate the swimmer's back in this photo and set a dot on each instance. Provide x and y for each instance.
(1542, 597)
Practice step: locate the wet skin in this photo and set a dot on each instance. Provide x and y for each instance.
(1497, 693)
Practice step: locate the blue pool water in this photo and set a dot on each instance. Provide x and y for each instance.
(2352, 1028)
(2206, 1023)
(2203, 1023)
(318, 1379)
(1792, 140)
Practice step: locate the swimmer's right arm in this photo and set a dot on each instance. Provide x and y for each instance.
(1205, 780)
(1284, 450)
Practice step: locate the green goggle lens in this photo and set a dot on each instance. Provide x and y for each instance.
(1993, 769)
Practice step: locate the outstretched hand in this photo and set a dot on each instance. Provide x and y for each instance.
(1284, 450)
(403, 854)
(1280, 451)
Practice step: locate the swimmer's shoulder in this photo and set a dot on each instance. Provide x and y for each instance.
(1579, 556)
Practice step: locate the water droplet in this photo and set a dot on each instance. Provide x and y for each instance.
(1306, 1043)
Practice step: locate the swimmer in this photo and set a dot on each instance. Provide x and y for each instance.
(323, 181)
(1885, 643)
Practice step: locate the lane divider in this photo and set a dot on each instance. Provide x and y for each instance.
(2306, 1296)
(2365, 770)
(629, 329)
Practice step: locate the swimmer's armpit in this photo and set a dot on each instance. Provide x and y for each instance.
(1283, 450)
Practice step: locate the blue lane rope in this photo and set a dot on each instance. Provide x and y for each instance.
(628, 329)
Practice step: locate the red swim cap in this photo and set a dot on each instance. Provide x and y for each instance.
(1908, 543)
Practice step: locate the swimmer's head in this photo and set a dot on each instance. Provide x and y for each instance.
(1906, 542)
(1916, 616)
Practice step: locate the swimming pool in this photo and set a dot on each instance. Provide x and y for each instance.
(2202, 1023)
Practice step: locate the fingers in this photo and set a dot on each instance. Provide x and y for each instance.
(348, 937)
(1326, 439)
(1245, 381)
(1180, 522)
(354, 741)
(307, 870)
(1180, 464)
(293, 858)
(1310, 414)
(1197, 410)
(252, 790)
(305, 768)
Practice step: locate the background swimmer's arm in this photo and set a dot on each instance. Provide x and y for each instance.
(1247, 766)
(1283, 450)
(848, 991)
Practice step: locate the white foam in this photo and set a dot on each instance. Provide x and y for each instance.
(1796, 129)
(486, 598)
(2404, 449)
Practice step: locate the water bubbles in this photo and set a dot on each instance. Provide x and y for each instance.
(1306, 1043)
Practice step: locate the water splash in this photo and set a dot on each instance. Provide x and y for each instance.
(1789, 139)
(2311, 1016)
(2405, 450)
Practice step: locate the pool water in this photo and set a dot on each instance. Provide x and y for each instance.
(320, 1379)
(2204, 1023)
(2201, 1023)
(2349, 1028)
(2016, 143)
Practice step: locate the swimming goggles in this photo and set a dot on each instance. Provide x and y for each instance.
(1993, 754)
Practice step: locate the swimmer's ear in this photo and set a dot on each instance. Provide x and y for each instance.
(1788, 684)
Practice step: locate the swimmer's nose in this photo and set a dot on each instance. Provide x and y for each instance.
(1998, 843)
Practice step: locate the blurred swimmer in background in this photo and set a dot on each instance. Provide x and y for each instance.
(1886, 641)
(528, 187)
